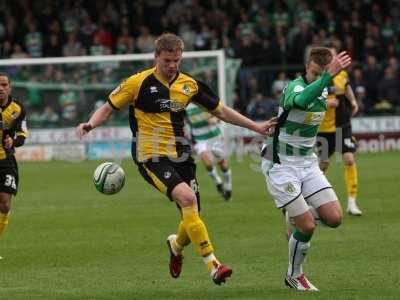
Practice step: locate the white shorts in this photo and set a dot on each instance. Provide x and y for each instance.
(286, 183)
(215, 145)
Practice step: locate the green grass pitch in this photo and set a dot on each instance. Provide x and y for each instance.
(67, 241)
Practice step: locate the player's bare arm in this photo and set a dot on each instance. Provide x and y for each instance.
(333, 103)
(229, 115)
(100, 116)
(352, 98)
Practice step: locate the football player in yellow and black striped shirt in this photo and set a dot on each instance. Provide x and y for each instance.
(335, 134)
(157, 98)
(12, 134)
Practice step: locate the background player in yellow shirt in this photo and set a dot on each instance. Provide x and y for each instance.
(157, 99)
(12, 134)
(335, 134)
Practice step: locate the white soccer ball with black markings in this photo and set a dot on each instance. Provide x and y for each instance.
(109, 178)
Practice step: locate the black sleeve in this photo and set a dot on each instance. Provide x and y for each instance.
(20, 119)
(20, 132)
(205, 97)
(19, 141)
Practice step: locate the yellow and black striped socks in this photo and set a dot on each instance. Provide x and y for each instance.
(4, 219)
(197, 232)
(351, 178)
(182, 238)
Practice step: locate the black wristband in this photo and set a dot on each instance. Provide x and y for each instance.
(18, 141)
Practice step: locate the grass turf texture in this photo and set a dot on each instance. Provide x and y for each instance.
(68, 241)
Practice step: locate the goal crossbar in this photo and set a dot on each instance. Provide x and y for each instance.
(219, 54)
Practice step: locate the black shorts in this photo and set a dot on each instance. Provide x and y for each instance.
(165, 175)
(327, 144)
(9, 176)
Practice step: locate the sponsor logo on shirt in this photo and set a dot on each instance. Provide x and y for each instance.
(170, 105)
(298, 89)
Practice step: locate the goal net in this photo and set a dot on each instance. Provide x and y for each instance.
(61, 92)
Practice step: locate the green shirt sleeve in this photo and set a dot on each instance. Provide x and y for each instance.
(302, 96)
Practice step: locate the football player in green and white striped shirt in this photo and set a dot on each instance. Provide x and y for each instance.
(290, 166)
(209, 146)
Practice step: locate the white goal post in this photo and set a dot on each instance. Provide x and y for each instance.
(56, 139)
(218, 54)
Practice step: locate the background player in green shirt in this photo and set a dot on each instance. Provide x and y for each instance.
(210, 147)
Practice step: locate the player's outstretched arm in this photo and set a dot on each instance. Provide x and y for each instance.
(229, 115)
(313, 90)
(338, 63)
(100, 116)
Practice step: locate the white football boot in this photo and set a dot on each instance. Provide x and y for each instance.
(300, 283)
(352, 208)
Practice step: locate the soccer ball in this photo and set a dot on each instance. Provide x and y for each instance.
(109, 178)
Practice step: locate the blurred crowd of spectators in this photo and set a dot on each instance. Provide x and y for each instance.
(271, 37)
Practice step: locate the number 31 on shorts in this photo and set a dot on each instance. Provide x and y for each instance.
(10, 181)
(194, 186)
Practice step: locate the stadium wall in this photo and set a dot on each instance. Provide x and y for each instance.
(374, 134)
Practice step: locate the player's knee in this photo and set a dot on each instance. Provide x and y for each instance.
(334, 219)
(5, 206)
(187, 199)
(209, 167)
(183, 195)
(223, 164)
(348, 159)
(349, 162)
(334, 223)
(308, 230)
(307, 227)
(207, 160)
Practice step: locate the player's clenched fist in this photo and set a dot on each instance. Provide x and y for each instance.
(82, 129)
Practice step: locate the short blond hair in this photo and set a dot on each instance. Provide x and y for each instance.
(169, 42)
(320, 55)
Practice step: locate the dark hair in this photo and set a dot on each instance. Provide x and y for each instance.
(169, 42)
(320, 55)
(5, 75)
